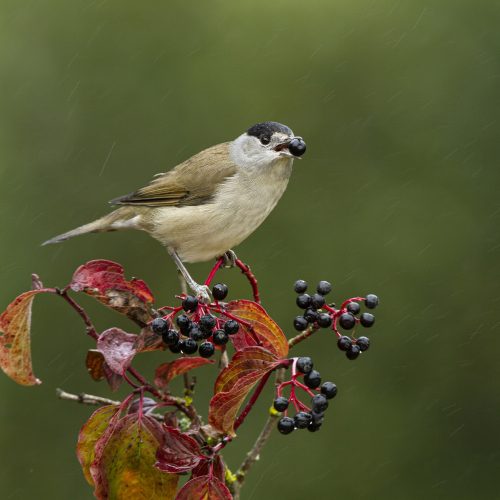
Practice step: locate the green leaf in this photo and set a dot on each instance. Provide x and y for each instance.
(123, 467)
(90, 433)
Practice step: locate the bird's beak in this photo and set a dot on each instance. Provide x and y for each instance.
(282, 148)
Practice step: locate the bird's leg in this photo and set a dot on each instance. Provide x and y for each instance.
(201, 291)
(229, 259)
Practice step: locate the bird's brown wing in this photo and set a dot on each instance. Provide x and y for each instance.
(193, 182)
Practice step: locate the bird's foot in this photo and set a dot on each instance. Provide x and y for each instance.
(202, 293)
(229, 259)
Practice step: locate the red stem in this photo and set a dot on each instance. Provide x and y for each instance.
(252, 400)
(245, 269)
(214, 270)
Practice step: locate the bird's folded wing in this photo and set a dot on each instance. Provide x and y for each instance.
(191, 183)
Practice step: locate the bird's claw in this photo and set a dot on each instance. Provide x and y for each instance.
(203, 293)
(229, 259)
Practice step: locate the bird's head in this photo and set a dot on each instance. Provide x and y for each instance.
(265, 143)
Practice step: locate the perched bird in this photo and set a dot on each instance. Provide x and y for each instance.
(210, 203)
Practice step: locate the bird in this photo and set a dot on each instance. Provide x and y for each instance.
(205, 206)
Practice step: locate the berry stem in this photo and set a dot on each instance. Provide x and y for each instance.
(214, 270)
(252, 400)
(245, 269)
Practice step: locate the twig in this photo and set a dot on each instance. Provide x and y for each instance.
(245, 269)
(302, 336)
(86, 399)
(254, 454)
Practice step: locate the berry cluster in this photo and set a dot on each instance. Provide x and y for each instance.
(319, 314)
(305, 417)
(196, 324)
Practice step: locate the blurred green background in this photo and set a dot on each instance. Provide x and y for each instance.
(397, 195)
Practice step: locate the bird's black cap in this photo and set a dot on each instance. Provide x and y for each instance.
(267, 129)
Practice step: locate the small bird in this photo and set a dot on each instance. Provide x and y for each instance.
(210, 203)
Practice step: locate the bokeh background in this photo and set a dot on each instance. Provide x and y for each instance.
(397, 195)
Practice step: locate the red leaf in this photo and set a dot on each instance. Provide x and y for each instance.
(234, 383)
(105, 281)
(179, 452)
(204, 488)
(118, 349)
(123, 467)
(167, 371)
(264, 328)
(15, 339)
(217, 465)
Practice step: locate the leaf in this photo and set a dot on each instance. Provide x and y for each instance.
(15, 339)
(264, 328)
(179, 452)
(105, 281)
(99, 369)
(118, 349)
(204, 488)
(123, 467)
(235, 382)
(167, 371)
(91, 431)
(217, 465)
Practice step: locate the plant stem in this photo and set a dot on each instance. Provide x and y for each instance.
(254, 453)
(245, 269)
(302, 336)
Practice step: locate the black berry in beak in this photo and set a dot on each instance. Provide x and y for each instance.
(297, 147)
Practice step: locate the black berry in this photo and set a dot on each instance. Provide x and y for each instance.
(311, 315)
(344, 343)
(319, 403)
(314, 426)
(159, 326)
(231, 327)
(170, 337)
(347, 321)
(280, 403)
(184, 323)
(324, 320)
(207, 322)
(329, 389)
(302, 419)
(220, 291)
(206, 349)
(312, 379)
(220, 337)
(318, 417)
(367, 320)
(188, 346)
(300, 323)
(304, 364)
(303, 301)
(363, 343)
(286, 425)
(297, 147)
(353, 307)
(324, 288)
(300, 286)
(190, 304)
(371, 301)
(317, 301)
(175, 348)
(353, 352)
(195, 333)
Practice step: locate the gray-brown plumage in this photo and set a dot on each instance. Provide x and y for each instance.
(211, 202)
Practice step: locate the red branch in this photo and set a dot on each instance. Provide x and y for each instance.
(245, 269)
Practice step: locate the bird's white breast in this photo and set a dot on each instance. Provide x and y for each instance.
(242, 202)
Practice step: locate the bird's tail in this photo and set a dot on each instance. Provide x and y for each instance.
(111, 222)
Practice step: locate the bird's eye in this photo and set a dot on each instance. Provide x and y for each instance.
(265, 140)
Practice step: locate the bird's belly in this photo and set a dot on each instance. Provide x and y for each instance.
(203, 232)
